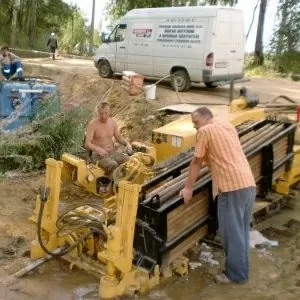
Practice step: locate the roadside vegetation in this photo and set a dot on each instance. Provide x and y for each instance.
(49, 135)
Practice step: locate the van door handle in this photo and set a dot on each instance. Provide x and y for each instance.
(232, 51)
(122, 47)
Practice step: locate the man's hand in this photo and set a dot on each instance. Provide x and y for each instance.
(128, 148)
(102, 152)
(187, 194)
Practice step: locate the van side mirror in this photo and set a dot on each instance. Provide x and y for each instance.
(104, 39)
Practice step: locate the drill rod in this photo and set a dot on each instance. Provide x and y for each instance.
(172, 187)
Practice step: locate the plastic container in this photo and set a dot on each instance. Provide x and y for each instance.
(103, 185)
(150, 91)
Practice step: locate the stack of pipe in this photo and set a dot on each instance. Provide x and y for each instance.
(249, 142)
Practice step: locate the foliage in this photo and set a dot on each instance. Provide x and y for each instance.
(285, 44)
(265, 70)
(286, 35)
(117, 8)
(47, 137)
(28, 24)
(287, 62)
(73, 32)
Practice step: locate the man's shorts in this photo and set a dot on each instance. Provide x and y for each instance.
(111, 161)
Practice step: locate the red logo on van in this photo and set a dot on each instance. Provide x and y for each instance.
(146, 33)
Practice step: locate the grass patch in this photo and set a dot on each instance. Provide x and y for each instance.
(266, 70)
(286, 65)
(46, 137)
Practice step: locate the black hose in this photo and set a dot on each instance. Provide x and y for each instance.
(63, 251)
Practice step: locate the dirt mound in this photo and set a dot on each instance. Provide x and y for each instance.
(135, 115)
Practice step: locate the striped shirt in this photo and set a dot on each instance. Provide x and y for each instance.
(219, 146)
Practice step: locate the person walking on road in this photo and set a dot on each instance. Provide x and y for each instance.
(218, 145)
(52, 45)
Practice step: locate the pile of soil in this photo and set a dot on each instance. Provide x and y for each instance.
(135, 115)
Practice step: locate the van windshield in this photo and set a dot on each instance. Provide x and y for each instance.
(118, 34)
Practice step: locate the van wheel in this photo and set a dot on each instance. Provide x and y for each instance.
(211, 85)
(104, 69)
(181, 81)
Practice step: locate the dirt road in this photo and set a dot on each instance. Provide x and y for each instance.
(275, 272)
(265, 88)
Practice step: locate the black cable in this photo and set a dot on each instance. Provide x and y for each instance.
(64, 222)
(64, 251)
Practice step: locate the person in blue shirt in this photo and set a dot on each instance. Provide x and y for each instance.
(10, 64)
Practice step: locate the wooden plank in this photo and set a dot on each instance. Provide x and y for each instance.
(187, 244)
(188, 221)
(186, 215)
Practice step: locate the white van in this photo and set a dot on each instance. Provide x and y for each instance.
(195, 44)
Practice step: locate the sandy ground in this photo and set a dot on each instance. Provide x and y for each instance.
(275, 272)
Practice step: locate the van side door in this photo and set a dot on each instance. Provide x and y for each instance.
(221, 45)
(237, 44)
(119, 42)
(140, 46)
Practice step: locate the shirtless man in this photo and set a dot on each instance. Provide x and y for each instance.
(99, 139)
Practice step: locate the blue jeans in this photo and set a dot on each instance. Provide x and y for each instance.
(9, 70)
(234, 217)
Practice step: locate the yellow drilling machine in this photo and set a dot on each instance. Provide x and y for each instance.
(137, 229)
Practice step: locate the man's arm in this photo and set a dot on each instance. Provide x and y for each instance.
(14, 58)
(194, 171)
(119, 138)
(195, 166)
(90, 131)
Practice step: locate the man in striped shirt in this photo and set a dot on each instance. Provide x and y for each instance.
(218, 145)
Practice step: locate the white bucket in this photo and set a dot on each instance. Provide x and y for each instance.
(150, 91)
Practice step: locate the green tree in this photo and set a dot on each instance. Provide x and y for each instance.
(74, 32)
(286, 36)
(285, 43)
(28, 23)
(117, 8)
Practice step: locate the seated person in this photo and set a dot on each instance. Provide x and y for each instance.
(10, 64)
(99, 139)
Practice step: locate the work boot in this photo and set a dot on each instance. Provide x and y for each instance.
(223, 279)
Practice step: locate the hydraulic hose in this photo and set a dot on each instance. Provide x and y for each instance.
(63, 251)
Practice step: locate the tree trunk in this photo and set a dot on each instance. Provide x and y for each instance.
(28, 20)
(258, 52)
(32, 29)
(92, 28)
(14, 23)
